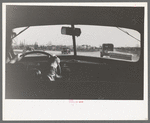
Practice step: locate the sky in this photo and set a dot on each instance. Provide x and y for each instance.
(90, 35)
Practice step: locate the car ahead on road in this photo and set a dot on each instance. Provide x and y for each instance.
(82, 74)
(65, 51)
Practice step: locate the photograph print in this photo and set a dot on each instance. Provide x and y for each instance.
(74, 52)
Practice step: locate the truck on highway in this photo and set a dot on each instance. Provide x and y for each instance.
(105, 49)
(108, 50)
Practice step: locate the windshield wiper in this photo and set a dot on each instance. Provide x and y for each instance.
(20, 32)
(127, 33)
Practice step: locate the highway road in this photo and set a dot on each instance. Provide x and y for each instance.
(91, 54)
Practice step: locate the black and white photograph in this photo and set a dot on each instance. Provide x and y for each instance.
(84, 56)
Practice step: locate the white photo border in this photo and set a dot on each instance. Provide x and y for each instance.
(89, 109)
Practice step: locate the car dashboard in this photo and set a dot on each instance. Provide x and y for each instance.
(81, 79)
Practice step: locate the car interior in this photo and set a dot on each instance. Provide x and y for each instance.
(81, 77)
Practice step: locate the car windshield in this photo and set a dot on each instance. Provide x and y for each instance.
(95, 41)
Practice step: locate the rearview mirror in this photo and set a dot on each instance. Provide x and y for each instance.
(70, 31)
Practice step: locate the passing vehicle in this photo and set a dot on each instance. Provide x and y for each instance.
(65, 51)
(84, 74)
(106, 48)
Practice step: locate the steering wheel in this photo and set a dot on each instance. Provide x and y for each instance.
(34, 52)
(49, 57)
